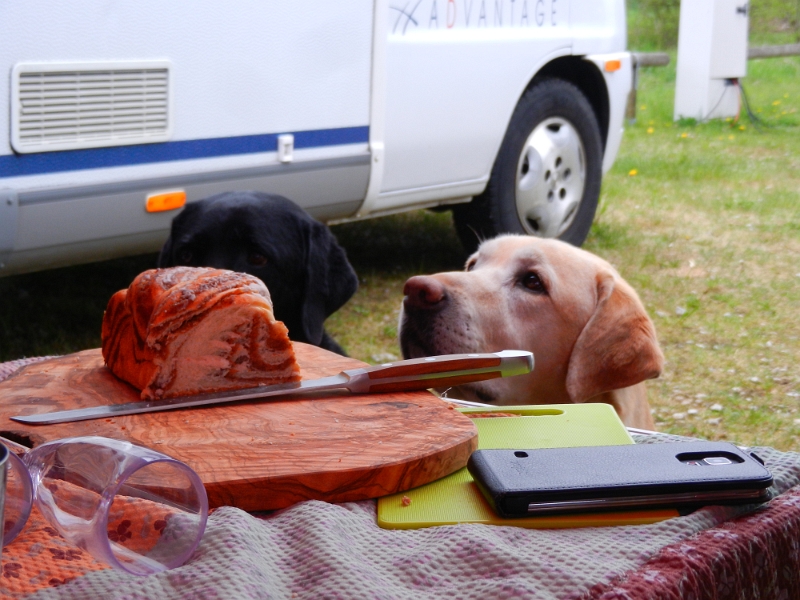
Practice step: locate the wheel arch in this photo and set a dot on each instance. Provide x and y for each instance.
(587, 78)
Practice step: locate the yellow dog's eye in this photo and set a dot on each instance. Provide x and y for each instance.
(532, 282)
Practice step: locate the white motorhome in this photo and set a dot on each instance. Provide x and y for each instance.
(119, 112)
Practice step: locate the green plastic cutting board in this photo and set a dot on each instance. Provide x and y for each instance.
(456, 499)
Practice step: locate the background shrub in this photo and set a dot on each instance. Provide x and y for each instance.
(653, 24)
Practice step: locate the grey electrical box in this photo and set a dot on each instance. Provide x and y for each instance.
(712, 56)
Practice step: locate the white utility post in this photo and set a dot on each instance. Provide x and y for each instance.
(712, 56)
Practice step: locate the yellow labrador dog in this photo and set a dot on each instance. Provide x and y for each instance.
(591, 338)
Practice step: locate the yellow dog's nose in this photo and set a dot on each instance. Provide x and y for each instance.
(423, 292)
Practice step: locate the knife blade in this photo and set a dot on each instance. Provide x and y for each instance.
(399, 376)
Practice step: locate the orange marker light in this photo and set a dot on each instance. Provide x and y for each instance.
(613, 65)
(165, 201)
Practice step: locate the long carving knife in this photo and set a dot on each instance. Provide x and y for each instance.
(401, 376)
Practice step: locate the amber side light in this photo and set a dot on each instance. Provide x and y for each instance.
(165, 201)
(613, 65)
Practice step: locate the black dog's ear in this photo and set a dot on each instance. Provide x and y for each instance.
(330, 281)
(165, 256)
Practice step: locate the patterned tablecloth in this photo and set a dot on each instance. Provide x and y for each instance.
(320, 550)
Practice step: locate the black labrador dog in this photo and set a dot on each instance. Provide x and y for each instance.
(269, 236)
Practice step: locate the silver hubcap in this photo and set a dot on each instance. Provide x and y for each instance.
(550, 178)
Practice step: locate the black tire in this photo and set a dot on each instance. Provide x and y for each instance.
(556, 105)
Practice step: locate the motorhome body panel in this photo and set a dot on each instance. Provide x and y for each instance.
(238, 79)
(455, 72)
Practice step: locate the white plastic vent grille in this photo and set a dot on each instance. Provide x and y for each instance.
(64, 107)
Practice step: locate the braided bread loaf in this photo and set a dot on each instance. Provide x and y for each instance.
(187, 330)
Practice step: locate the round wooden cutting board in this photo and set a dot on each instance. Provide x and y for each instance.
(260, 455)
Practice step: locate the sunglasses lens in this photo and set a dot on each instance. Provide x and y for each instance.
(156, 518)
(18, 498)
(131, 507)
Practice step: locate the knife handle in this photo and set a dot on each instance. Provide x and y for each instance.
(424, 384)
(439, 371)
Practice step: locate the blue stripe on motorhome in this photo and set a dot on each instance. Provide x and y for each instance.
(15, 165)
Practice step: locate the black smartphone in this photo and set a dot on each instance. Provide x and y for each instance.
(521, 483)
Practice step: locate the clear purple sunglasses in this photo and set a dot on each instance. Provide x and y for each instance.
(131, 507)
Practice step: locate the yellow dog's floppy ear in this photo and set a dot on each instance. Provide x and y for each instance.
(617, 348)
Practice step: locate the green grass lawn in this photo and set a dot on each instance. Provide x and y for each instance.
(703, 220)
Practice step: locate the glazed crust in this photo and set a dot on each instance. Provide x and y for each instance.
(187, 330)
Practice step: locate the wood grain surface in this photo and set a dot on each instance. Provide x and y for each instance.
(260, 455)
